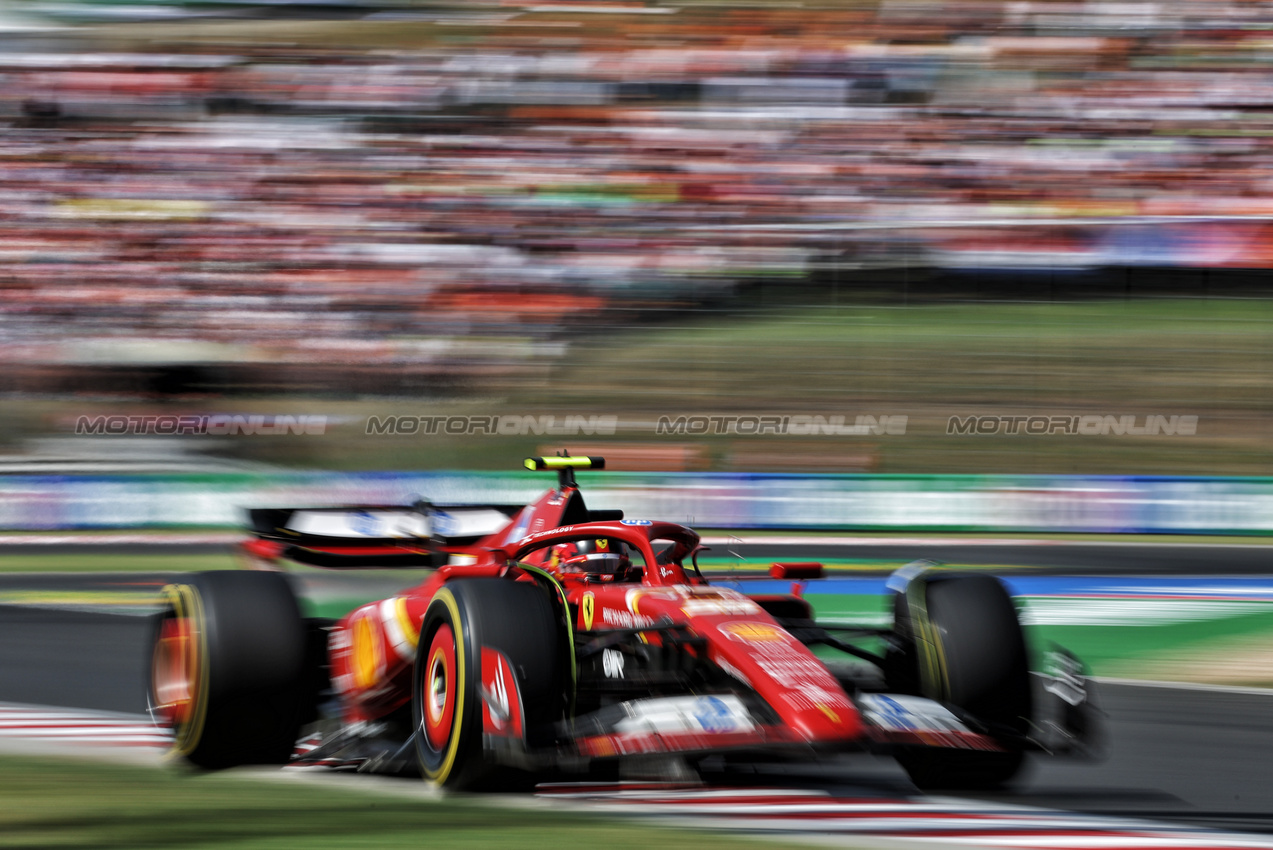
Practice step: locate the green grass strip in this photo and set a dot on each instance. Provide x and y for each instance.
(61, 803)
(111, 562)
(1109, 650)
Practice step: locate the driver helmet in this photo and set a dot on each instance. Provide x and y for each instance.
(599, 556)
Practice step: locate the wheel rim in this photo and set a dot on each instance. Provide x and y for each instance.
(174, 670)
(438, 695)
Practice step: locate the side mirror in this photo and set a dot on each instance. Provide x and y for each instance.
(801, 570)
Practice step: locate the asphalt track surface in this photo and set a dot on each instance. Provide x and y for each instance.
(1197, 756)
(1202, 757)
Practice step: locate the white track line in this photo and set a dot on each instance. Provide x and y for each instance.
(803, 815)
(745, 539)
(35, 723)
(222, 538)
(227, 538)
(1185, 686)
(818, 817)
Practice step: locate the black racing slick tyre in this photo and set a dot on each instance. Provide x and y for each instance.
(962, 644)
(230, 671)
(517, 620)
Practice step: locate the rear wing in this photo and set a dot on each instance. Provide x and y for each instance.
(418, 535)
(371, 536)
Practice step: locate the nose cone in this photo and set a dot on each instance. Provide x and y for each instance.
(750, 645)
(789, 677)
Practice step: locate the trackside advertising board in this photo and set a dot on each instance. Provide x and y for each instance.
(706, 500)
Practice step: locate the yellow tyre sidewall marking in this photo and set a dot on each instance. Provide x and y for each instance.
(933, 674)
(570, 625)
(187, 604)
(440, 775)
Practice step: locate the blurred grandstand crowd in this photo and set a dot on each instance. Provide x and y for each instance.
(365, 218)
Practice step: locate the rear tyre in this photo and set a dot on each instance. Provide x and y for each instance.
(230, 672)
(962, 644)
(518, 620)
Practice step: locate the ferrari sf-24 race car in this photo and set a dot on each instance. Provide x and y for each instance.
(552, 639)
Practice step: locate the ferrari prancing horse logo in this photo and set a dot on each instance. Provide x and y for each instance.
(586, 608)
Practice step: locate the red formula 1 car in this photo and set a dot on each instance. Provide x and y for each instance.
(556, 638)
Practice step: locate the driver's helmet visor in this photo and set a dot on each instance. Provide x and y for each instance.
(597, 563)
(598, 556)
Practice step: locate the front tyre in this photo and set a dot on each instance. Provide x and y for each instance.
(964, 646)
(230, 673)
(516, 620)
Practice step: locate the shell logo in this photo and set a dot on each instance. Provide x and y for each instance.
(753, 632)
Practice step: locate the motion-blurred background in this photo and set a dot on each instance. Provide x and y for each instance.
(623, 212)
